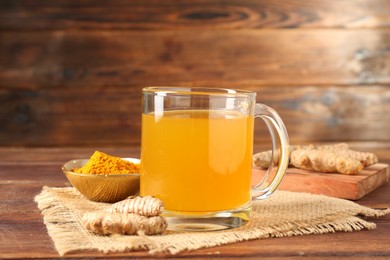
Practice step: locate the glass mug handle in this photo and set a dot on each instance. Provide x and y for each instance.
(280, 144)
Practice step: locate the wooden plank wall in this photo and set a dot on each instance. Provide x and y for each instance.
(71, 72)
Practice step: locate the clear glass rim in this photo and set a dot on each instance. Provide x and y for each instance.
(206, 91)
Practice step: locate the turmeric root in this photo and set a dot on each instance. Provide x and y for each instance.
(324, 161)
(146, 206)
(366, 159)
(329, 147)
(263, 159)
(104, 223)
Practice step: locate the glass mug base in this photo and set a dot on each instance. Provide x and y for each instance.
(211, 221)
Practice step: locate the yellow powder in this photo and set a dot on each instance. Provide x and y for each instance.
(101, 163)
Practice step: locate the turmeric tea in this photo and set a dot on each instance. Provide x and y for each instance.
(101, 163)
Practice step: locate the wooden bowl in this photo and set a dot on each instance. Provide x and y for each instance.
(102, 188)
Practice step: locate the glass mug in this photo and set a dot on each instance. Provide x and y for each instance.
(196, 155)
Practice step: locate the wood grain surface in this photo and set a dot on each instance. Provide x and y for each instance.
(337, 185)
(94, 59)
(71, 72)
(23, 235)
(112, 116)
(200, 14)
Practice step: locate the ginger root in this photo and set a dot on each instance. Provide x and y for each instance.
(323, 158)
(324, 161)
(104, 223)
(134, 215)
(366, 159)
(146, 206)
(263, 159)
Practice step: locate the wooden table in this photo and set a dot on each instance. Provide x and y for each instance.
(23, 172)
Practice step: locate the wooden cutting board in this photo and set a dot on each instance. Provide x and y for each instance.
(336, 185)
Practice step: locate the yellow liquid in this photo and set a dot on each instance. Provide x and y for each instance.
(197, 160)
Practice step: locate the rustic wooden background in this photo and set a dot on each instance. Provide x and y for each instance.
(71, 72)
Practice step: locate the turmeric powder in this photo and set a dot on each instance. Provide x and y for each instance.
(101, 163)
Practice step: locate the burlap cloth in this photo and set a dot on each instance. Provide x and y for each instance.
(283, 214)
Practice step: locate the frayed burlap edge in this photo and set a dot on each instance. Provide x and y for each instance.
(65, 229)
